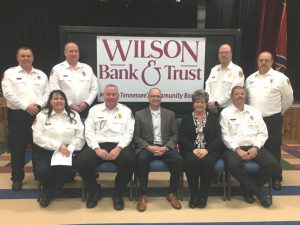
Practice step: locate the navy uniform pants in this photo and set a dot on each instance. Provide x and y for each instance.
(171, 158)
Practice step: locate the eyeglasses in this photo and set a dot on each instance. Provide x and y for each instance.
(264, 60)
(155, 96)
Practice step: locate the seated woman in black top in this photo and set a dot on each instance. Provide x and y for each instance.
(200, 141)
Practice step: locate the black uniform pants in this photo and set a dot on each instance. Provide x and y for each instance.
(52, 178)
(273, 144)
(268, 167)
(171, 158)
(88, 161)
(19, 136)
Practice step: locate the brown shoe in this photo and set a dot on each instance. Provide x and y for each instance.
(142, 203)
(175, 203)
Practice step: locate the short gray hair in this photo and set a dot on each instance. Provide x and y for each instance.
(200, 94)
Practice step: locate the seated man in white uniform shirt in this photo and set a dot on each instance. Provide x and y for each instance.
(244, 134)
(108, 133)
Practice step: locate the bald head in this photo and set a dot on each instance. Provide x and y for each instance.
(225, 55)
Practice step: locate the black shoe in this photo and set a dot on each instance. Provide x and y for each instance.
(194, 202)
(44, 200)
(263, 199)
(202, 202)
(118, 203)
(16, 186)
(92, 200)
(276, 185)
(248, 197)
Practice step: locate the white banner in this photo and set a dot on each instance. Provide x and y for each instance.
(136, 64)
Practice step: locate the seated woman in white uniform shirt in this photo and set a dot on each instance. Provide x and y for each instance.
(57, 133)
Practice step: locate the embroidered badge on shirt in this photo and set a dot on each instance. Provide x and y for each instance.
(119, 116)
(229, 74)
(83, 73)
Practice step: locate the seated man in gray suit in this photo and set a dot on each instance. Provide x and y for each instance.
(156, 136)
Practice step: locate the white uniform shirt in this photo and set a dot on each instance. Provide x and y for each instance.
(51, 133)
(104, 125)
(21, 89)
(156, 121)
(245, 128)
(79, 84)
(221, 81)
(271, 93)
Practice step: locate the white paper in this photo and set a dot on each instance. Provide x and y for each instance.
(58, 159)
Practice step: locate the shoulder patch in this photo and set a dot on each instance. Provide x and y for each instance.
(241, 74)
(123, 105)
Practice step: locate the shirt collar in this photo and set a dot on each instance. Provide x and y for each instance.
(53, 113)
(104, 108)
(269, 73)
(33, 70)
(229, 67)
(154, 111)
(67, 65)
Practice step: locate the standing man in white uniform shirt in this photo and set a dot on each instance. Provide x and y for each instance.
(26, 91)
(77, 80)
(222, 79)
(244, 134)
(271, 92)
(108, 133)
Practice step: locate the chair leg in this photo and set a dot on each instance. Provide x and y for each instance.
(224, 186)
(136, 185)
(180, 194)
(228, 185)
(131, 186)
(83, 194)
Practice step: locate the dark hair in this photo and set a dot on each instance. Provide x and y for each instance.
(200, 94)
(70, 113)
(236, 87)
(24, 48)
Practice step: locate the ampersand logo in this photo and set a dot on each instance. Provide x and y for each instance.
(151, 75)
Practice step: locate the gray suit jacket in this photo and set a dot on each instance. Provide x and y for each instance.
(143, 129)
